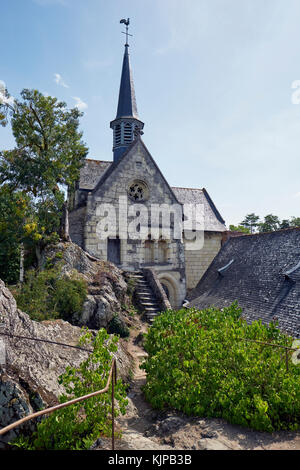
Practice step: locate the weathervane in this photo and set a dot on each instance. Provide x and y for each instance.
(126, 22)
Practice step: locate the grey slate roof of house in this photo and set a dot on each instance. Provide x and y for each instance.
(213, 222)
(264, 277)
(91, 172)
(94, 170)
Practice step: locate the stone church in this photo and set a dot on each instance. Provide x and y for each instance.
(132, 183)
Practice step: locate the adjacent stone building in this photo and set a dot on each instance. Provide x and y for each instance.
(131, 194)
(261, 272)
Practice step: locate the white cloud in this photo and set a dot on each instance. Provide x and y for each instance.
(297, 195)
(59, 80)
(3, 99)
(81, 105)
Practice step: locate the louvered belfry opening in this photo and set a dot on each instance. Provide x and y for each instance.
(128, 134)
(117, 135)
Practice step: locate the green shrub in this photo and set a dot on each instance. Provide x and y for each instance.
(46, 295)
(198, 364)
(131, 285)
(77, 426)
(118, 327)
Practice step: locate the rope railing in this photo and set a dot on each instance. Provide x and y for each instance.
(112, 378)
(42, 340)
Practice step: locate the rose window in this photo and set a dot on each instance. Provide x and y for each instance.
(138, 191)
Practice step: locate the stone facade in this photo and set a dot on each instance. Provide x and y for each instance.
(87, 223)
(178, 268)
(197, 262)
(123, 193)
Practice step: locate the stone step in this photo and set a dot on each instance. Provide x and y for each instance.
(151, 299)
(141, 355)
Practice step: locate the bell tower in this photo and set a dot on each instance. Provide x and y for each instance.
(127, 125)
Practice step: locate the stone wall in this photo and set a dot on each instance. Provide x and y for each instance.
(76, 225)
(157, 288)
(197, 261)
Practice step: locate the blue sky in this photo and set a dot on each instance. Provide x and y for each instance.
(213, 82)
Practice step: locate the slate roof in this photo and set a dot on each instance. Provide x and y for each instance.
(91, 172)
(264, 278)
(127, 102)
(213, 221)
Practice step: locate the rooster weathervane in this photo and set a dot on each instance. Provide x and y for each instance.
(126, 22)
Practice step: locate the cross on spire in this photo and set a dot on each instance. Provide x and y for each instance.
(126, 22)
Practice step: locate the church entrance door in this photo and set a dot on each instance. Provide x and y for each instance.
(114, 250)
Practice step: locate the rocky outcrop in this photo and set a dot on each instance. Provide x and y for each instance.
(107, 288)
(28, 378)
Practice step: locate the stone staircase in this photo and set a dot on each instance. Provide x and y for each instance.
(145, 296)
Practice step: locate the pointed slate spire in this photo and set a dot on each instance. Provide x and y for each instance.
(126, 126)
(127, 102)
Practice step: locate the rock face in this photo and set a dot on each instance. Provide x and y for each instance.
(107, 288)
(28, 376)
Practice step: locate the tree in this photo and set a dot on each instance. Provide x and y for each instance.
(18, 226)
(49, 151)
(251, 221)
(285, 223)
(6, 104)
(48, 155)
(239, 228)
(295, 222)
(270, 224)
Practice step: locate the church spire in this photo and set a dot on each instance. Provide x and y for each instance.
(126, 126)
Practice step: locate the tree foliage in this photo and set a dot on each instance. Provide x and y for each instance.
(198, 363)
(47, 157)
(270, 223)
(18, 225)
(239, 228)
(47, 295)
(49, 150)
(251, 221)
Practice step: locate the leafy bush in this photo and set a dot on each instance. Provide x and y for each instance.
(198, 364)
(118, 327)
(46, 295)
(77, 426)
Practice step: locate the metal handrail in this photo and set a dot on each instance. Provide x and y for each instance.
(112, 377)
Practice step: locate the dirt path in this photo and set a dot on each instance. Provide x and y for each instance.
(145, 429)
